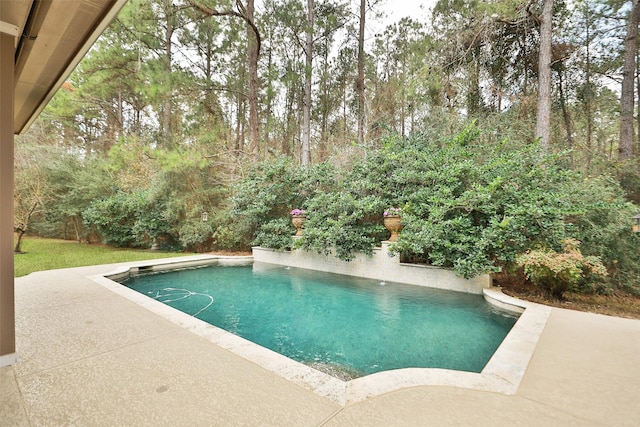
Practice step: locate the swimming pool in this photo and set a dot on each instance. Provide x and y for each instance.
(344, 326)
(502, 374)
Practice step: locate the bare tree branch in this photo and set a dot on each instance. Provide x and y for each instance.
(242, 14)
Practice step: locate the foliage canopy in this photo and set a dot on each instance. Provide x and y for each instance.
(467, 206)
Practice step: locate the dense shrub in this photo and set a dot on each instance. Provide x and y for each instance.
(261, 202)
(342, 222)
(275, 233)
(71, 185)
(129, 220)
(197, 235)
(234, 232)
(603, 226)
(468, 206)
(558, 272)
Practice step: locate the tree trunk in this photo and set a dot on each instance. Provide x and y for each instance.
(76, 227)
(543, 119)
(167, 131)
(254, 85)
(344, 112)
(473, 95)
(120, 114)
(288, 135)
(22, 228)
(324, 105)
(627, 94)
(308, 73)
(565, 111)
(589, 94)
(635, 148)
(269, 102)
(360, 79)
(403, 97)
(18, 248)
(240, 120)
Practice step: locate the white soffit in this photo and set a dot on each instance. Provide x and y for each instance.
(52, 38)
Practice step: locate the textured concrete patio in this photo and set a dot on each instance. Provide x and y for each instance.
(89, 356)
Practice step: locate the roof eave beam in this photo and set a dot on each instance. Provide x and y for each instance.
(80, 53)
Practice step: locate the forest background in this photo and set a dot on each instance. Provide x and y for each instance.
(199, 124)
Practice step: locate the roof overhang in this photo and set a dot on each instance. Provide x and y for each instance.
(52, 37)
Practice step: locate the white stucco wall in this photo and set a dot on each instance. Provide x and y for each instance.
(379, 266)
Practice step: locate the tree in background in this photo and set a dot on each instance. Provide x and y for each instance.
(30, 190)
(475, 58)
(246, 12)
(401, 80)
(360, 79)
(308, 73)
(543, 117)
(627, 94)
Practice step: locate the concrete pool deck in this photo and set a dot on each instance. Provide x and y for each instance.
(89, 357)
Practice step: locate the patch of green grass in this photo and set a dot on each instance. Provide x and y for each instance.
(50, 254)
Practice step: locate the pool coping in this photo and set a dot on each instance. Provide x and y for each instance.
(502, 374)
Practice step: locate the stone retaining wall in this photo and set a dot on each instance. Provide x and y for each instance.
(379, 266)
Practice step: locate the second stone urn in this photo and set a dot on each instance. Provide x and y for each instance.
(393, 223)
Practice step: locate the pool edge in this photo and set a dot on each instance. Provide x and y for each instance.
(502, 374)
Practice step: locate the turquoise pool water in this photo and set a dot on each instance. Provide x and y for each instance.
(337, 323)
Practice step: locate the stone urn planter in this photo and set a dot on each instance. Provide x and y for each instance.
(298, 217)
(298, 223)
(393, 223)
